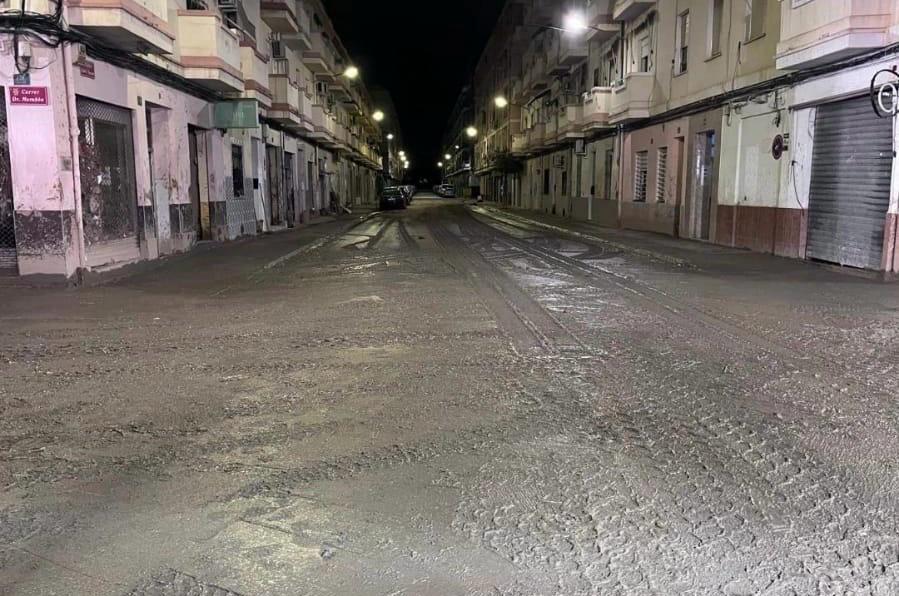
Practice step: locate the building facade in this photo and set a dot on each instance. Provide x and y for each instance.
(744, 123)
(158, 123)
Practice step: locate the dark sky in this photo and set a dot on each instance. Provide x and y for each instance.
(422, 52)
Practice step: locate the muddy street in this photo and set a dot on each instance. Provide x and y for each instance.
(450, 399)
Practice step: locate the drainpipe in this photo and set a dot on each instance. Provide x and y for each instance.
(72, 110)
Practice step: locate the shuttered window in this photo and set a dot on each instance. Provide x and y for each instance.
(661, 174)
(641, 160)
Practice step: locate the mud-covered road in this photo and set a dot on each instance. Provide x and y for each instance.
(450, 400)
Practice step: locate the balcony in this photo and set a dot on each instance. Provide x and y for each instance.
(572, 49)
(319, 59)
(291, 25)
(571, 122)
(595, 110)
(285, 107)
(541, 11)
(627, 10)
(134, 26)
(536, 135)
(599, 18)
(210, 53)
(551, 131)
(819, 32)
(632, 99)
(536, 76)
(519, 144)
(255, 70)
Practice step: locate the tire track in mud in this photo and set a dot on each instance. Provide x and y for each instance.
(528, 324)
(690, 317)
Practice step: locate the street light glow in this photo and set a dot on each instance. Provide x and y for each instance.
(402, 154)
(390, 136)
(447, 156)
(457, 147)
(439, 164)
(378, 115)
(351, 72)
(471, 131)
(575, 22)
(500, 101)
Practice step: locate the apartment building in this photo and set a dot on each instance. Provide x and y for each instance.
(745, 123)
(460, 146)
(158, 123)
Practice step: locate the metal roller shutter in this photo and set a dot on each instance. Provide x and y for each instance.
(850, 184)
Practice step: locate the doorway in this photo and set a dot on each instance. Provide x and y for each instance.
(108, 186)
(193, 143)
(700, 212)
(8, 258)
(273, 181)
(290, 190)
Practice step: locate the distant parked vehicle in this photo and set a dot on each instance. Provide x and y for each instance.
(392, 197)
(446, 191)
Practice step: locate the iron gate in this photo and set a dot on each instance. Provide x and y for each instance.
(8, 261)
(108, 193)
(852, 162)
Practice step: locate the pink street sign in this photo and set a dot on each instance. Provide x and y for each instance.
(28, 96)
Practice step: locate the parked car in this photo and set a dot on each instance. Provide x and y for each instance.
(410, 191)
(392, 197)
(446, 191)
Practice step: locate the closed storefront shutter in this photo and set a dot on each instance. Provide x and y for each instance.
(8, 258)
(850, 184)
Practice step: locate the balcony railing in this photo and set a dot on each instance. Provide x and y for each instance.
(596, 106)
(626, 10)
(632, 98)
(130, 26)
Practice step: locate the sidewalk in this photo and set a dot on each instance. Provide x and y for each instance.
(247, 245)
(702, 256)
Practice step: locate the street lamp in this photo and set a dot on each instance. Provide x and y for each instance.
(390, 136)
(500, 101)
(447, 156)
(402, 155)
(457, 147)
(351, 72)
(575, 22)
(378, 116)
(471, 132)
(439, 164)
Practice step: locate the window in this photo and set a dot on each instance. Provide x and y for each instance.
(682, 41)
(237, 169)
(546, 181)
(564, 183)
(661, 174)
(754, 16)
(596, 77)
(645, 51)
(716, 17)
(641, 159)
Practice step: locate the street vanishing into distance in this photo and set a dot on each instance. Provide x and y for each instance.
(452, 399)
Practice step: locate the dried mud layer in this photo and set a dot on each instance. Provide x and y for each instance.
(450, 400)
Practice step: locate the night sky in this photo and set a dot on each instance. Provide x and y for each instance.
(422, 52)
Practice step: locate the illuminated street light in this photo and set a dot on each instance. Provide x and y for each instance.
(378, 115)
(439, 164)
(500, 101)
(574, 22)
(447, 156)
(402, 154)
(471, 131)
(457, 147)
(351, 72)
(390, 136)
